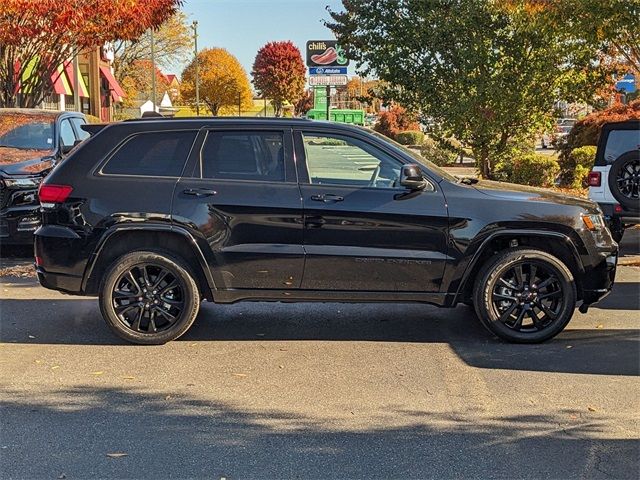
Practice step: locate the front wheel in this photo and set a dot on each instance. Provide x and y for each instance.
(525, 295)
(149, 297)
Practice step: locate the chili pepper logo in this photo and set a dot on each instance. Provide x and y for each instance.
(329, 56)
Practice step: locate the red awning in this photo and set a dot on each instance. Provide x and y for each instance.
(116, 91)
(60, 83)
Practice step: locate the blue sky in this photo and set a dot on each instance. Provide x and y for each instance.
(243, 26)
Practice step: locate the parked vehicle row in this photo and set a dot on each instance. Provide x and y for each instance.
(155, 215)
(31, 143)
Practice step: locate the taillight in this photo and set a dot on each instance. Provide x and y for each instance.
(54, 193)
(618, 208)
(594, 179)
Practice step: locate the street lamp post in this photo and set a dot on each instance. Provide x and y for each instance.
(194, 25)
(153, 71)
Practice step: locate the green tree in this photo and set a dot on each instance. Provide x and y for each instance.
(223, 82)
(486, 72)
(279, 74)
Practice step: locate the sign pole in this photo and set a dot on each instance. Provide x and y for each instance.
(328, 100)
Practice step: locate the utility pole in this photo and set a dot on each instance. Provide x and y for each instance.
(194, 26)
(153, 71)
(328, 101)
(76, 84)
(239, 104)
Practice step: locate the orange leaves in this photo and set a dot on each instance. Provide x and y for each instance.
(80, 22)
(223, 81)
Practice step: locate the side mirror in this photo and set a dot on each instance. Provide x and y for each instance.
(411, 177)
(65, 149)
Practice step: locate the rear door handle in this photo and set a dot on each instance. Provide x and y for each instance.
(327, 198)
(199, 192)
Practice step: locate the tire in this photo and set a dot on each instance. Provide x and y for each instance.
(144, 316)
(624, 179)
(506, 306)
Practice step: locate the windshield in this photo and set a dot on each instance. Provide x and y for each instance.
(26, 131)
(415, 155)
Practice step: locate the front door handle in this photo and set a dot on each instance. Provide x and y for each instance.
(327, 198)
(199, 192)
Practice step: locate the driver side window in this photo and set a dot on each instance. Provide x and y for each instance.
(340, 160)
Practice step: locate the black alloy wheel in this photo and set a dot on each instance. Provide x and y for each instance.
(624, 179)
(149, 297)
(524, 295)
(527, 296)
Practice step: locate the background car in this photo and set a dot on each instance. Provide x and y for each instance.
(614, 180)
(562, 128)
(31, 143)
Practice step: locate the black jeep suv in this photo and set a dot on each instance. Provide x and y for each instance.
(155, 215)
(31, 143)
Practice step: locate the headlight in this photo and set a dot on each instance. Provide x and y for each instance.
(593, 222)
(22, 182)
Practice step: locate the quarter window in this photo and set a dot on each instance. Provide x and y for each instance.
(341, 160)
(78, 122)
(67, 137)
(157, 154)
(244, 156)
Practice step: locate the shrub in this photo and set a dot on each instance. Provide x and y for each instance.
(587, 132)
(92, 119)
(577, 165)
(534, 169)
(410, 137)
(436, 154)
(395, 120)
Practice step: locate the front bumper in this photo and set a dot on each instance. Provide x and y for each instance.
(598, 281)
(17, 224)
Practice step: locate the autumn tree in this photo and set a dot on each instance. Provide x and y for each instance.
(279, 74)
(36, 36)
(223, 82)
(304, 104)
(172, 45)
(487, 73)
(137, 81)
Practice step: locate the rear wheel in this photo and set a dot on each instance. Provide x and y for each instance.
(149, 297)
(525, 295)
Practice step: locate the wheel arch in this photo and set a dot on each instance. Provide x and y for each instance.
(557, 244)
(122, 239)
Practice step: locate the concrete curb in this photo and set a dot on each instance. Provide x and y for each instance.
(632, 260)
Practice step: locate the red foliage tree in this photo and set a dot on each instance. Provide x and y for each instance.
(38, 35)
(304, 104)
(394, 121)
(279, 74)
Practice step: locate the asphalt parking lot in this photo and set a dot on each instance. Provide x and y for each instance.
(260, 390)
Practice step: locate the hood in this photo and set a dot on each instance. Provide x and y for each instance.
(18, 161)
(511, 191)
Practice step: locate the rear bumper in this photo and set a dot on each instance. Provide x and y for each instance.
(598, 281)
(625, 215)
(61, 258)
(59, 281)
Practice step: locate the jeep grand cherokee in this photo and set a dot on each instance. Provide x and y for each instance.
(155, 215)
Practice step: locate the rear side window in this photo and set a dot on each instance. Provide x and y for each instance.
(78, 122)
(156, 154)
(244, 156)
(619, 142)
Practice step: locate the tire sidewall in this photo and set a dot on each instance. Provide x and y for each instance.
(176, 267)
(492, 272)
(616, 166)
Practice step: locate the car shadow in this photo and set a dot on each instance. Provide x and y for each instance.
(119, 432)
(625, 296)
(590, 351)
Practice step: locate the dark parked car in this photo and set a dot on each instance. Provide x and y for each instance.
(31, 143)
(155, 215)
